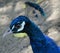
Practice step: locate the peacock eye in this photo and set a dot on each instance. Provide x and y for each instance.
(17, 26)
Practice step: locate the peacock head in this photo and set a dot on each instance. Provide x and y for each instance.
(18, 25)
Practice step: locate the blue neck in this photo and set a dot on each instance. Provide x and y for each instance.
(35, 33)
(37, 38)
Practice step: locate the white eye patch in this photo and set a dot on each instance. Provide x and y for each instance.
(13, 27)
(22, 26)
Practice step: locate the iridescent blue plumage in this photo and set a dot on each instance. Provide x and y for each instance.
(37, 7)
(39, 41)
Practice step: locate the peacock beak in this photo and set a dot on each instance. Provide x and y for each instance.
(7, 32)
(17, 35)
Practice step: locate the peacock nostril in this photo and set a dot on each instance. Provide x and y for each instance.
(8, 31)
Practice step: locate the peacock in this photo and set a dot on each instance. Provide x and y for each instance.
(40, 42)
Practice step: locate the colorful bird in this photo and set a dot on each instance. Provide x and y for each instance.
(39, 41)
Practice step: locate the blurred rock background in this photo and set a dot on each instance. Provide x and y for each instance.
(10, 9)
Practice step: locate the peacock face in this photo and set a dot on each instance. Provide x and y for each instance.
(18, 25)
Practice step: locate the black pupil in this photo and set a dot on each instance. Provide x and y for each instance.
(17, 26)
